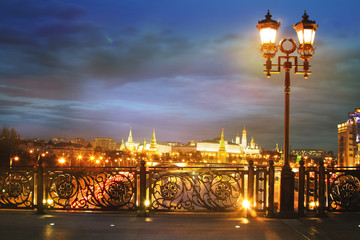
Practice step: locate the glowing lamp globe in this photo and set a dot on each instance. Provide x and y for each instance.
(268, 29)
(306, 30)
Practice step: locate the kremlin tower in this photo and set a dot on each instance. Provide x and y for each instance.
(153, 144)
(222, 151)
(130, 145)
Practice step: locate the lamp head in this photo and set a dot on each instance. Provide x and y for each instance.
(268, 30)
(306, 30)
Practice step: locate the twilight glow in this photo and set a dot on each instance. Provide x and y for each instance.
(94, 68)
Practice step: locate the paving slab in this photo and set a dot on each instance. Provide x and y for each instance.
(200, 226)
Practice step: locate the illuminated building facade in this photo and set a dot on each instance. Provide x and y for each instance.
(219, 150)
(154, 148)
(308, 152)
(104, 144)
(130, 144)
(349, 140)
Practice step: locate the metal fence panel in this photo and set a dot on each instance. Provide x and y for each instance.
(91, 188)
(17, 187)
(196, 189)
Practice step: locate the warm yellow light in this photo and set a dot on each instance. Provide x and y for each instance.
(16, 158)
(62, 160)
(97, 161)
(79, 157)
(92, 157)
(306, 36)
(147, 203)
(268, 30)
(268, 35)
(313, 204)
(306, 30)
(180, 164)
(246, 204)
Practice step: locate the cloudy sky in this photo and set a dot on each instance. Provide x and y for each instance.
(184, 67)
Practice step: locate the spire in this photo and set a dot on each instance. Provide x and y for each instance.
(222, 150)
(130, 138)
(244, 131)
(153, 144)
(153, 136)
(252, 143)
(144, 145)
(222, 141)
(122, 146)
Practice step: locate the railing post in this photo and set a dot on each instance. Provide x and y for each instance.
(40, 186)
(271, 212)
(321, 207)
(250, 192)
(301, 198)
(142, 189)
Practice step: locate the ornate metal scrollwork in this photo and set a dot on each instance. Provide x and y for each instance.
(223, 191)
(212, 190)
(170, 190)
(17, 188)
(65, 188)
(91, 189)
(345, 193)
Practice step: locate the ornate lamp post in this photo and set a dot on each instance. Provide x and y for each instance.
(306, 34)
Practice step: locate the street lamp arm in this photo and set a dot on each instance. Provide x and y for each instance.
(303, 69)
(287, 62)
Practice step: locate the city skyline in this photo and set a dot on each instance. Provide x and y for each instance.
(188, 69)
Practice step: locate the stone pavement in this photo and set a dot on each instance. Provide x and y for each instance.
(27, 225)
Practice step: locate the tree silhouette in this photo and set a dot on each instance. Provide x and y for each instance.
(9, 141)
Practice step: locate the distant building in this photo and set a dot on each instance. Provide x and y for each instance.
(221, 150)
(154, 147)
(314, 153)
(80, 141)
(349, 140)
(104, 144)
(130, 144)
(71, 152)
(56, 140)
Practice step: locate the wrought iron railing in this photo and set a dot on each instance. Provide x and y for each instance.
(343, 185)
(196, 188)
(332, 189)
(17, 187)
(222, 188)
(215, 188)
(91, 188)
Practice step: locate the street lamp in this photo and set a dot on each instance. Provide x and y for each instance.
(306, 30)
(62, 160)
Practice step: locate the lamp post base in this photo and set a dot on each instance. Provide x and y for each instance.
(287, 193)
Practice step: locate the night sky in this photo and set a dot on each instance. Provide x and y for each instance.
(184, 67)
